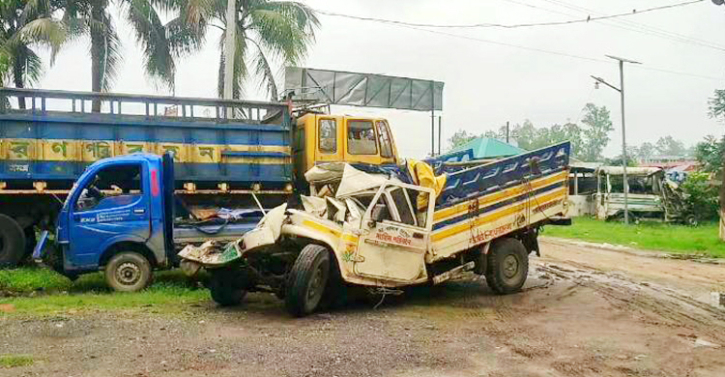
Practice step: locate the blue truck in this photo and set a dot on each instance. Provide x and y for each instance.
(223, 152)
(129, 231)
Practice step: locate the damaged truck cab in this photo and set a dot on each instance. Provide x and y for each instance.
(377, 231)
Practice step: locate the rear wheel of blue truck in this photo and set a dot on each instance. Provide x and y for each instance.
(128, 271)
(226, 288)
(308, 280)
(12, 242)
(508, 266)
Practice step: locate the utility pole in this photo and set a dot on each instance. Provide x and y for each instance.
(507, 132)
(624, 134)
(440, 133)
(229, 50)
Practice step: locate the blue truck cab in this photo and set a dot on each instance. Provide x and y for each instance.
(119, 218)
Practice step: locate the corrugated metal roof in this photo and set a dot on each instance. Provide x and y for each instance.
(484, 147)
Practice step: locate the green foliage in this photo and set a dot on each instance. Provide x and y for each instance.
(587, 142)
(461, 137)
(12, 361)
(645, 151)
(668, 146)
(29, 279)
(25, 25)
(267, 32)
(701, 196)
(658, 236)
(162, 43)
(597, 126)
(717, 105)
(709, 153)
(527, 136)
(171, 292)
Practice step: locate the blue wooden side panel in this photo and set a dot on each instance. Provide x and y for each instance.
(59, 147)
(481, 180)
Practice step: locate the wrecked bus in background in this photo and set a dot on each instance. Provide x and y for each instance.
(651, 195)
(386, 231)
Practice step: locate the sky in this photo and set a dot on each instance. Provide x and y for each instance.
(491, 75)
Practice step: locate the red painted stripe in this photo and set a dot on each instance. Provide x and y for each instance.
(154, 183)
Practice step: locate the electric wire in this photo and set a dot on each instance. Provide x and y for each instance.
(529, 48)
(632, 25)
(510, 26)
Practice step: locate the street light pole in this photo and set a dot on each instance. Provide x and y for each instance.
(624, 133)
(624, 145)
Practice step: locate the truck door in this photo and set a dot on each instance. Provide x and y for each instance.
(329, 132)
(112, 203)
(394, 237)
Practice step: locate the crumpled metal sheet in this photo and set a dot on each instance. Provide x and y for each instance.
(211, 253)
(214, 254)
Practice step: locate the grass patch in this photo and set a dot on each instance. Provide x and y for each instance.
(702, 239)
(11, 361)
(171, 292)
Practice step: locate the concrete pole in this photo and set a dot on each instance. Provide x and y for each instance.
(229, 50)
(624, 146)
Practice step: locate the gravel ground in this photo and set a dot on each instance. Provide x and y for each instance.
(585, 311)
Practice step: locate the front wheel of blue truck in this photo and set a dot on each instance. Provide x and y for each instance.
(128, 271)
(508, 266)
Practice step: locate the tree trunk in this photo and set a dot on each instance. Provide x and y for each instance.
(18, 68)
(97, 56)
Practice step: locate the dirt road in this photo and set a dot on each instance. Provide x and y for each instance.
(585, 312)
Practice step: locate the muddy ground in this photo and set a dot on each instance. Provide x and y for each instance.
(585, 311)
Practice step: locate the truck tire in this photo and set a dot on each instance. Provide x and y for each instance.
(307, 281)
(128, 271)
(223, 288)
(508, 266)
(12, 242)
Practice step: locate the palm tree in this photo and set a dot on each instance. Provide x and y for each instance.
(266, 31)
(23, 25)
(161, 42)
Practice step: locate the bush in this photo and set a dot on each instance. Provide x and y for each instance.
(701, 196)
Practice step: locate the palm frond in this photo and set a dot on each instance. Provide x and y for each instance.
(33, 67)
(45, 31)
(151, 35)
(286, 29)
(263, 69)
(35, 9)
(196, 13)
(184, 38)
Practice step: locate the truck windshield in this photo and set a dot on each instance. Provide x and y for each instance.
(361, 137)
(111, 187)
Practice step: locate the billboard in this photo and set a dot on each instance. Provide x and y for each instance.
(363, 89)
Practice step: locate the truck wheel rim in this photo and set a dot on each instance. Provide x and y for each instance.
(315, 288)
(128, 274)
(510, 266)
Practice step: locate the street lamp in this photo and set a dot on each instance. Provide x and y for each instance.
(624, 138)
